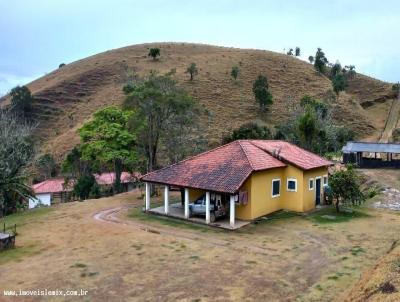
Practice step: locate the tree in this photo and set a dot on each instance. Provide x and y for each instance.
(192, 70)
(290, 52)
(249, 130)
(345, 188)
(61, 65)
(74, 165)
(107, 139)
(46, 166)
(235, 72)
(336, 69)
(86, 187)
(21, 101)
(261, 92)
(163, 109)
(320, 61)
(311, 59)
(310, 126)
(339, 83)
(297, 52)
(350, 71)
(396, 89)
(16, 152)
(154, 53)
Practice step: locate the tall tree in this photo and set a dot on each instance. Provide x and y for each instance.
(339, 83)
(16, 152)
(261, 92)
(108, 139)
(192, 70)
(320, 61)
(336, 69)
(46, 166)
(297, 51)
(165, 109)
(21, 101)
(154, 53)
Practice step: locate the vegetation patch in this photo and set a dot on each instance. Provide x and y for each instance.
(23, 218)
(18, 253)
(356, 250)
(329, 215)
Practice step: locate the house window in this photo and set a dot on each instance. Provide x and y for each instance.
(276, 187)
(325, 180)
(292, 184)
(311, 184)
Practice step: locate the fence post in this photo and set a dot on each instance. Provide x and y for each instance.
(4, 227)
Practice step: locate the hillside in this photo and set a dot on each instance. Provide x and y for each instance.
(69, 95)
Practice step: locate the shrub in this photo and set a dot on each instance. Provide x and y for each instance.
(61, 65)
(192, 70)
(154, 53)
(249, 130)
(235, 72)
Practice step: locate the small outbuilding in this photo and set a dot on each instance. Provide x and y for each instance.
(246, 178)
(372, 155)
(51, 191)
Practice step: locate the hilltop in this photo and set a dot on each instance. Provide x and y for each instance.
(66, 97)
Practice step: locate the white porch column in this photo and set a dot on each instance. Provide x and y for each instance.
(207, 207)
(147, 196)
(166, 199)
(232, 211)
(186, 203)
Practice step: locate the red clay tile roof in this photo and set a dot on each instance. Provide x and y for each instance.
(226, 168)
(109, 178)
(292, 154)
(51, 186)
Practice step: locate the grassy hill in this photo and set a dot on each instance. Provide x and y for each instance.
(66, 97)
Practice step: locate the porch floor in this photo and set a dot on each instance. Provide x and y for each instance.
(176, 210)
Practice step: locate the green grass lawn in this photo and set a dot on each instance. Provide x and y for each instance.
(329, 215)
(23, 218)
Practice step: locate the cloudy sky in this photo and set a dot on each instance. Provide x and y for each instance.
(37, 35)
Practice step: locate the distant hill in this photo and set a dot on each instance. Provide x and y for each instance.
(68, 96)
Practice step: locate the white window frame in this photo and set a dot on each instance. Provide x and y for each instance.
(272, 187)
(324, 177)
(313, 184)
(295, 184)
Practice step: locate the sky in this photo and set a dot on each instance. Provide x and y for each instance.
(37, 35)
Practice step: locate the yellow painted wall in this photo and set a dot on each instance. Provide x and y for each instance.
(244, 211)
(259, 188)
(309, 195)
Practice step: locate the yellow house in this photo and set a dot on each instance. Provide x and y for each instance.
(248, 178)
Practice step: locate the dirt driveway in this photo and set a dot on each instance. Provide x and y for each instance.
(116, 253)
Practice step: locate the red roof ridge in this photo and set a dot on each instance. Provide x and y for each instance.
(189, 158)
(245, 153)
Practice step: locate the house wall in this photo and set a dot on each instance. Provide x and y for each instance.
(259, 188)
(244, 211)
(309, 195)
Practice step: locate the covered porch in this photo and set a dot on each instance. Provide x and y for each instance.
(181, 210)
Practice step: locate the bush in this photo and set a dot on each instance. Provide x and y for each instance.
(61, 65)
(249, 130)
(154, 53)
(235, 72)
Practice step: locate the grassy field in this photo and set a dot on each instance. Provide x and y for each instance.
(134, 257)
(67, 96)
